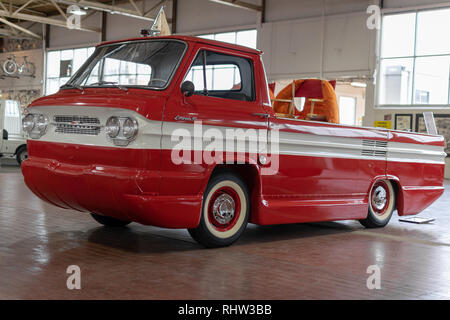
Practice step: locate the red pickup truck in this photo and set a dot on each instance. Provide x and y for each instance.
(179, 132)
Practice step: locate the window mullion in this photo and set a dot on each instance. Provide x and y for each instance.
(413, 89)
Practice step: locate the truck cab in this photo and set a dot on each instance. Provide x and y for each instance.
(13, 141)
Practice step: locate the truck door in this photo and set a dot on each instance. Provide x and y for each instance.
(225, 100)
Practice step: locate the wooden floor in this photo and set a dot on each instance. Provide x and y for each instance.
(304, 261)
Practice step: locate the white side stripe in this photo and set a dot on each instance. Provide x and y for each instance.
(155, 135)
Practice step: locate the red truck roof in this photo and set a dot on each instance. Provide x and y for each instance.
(192, 39)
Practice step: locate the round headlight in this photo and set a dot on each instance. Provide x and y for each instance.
(41, 124)
(112, 127)
(28, 123)
(130, 128)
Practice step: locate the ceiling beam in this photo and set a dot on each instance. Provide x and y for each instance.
(136, 7)
(26, 7)
(23, 6)
(59, 9)
(157, 5)
(99, 6)
(21, 29)
(44, 20)
(240, 4)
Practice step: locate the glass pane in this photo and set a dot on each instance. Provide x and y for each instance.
(398, 35)
(229, 37)
(143, 80)
(132, 59)
(67, 54)
(196, 76)
(207, 36)
(111, 67)
(223, 78)
(347, 110)
(432, 27)
(144, 69)
(209, 78)
(127, 67)
(92, 79)
(91, 50)
(53, 61)
(63, 81)
(130, 79)
(431, 80)
(246, 38)
(52, 86)
(111, 78)
(79, 57)
(395, 81)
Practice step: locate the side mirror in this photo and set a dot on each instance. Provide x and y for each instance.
(5, 134)
(187, 88)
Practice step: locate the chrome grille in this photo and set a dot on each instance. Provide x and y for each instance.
(77, 125)
(373, 144)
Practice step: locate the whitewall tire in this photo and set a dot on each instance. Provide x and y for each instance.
(381, 204)
(225, 211)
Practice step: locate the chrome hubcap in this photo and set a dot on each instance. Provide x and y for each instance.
(223, 208)
(379, 198)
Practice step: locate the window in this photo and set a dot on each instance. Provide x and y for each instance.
(415, 59)
(227, 76)
(244, 38)
(422, 97)
(347, 110)
(148, 64)
(62, 64)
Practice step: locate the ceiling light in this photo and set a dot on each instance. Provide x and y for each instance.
(358, 84)
(78, 12)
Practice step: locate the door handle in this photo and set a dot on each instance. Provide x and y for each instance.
(263, 115)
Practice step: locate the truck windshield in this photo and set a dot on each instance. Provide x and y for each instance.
(147, 64)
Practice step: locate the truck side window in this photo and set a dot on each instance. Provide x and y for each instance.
(227, 76)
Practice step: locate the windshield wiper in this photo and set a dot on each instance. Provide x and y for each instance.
(115, 84)
(72, 86)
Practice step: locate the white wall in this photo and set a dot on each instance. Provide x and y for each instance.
(203, 15)
(338, 45)
(63, 37)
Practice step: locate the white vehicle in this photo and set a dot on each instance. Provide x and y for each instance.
(12, 142)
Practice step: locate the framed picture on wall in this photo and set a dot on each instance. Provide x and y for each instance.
(404, 122)
(442, 125)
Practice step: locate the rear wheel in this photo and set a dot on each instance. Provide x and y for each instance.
(109, 221)
(21, 154)
(381, 205)
(225, 212)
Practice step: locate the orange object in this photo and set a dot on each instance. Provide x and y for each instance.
(326, 109)
(271, 94)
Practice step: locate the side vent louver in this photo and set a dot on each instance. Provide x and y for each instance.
(370, 148)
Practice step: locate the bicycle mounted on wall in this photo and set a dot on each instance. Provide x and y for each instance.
(12, 68)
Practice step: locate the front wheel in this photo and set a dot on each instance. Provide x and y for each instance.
(109, 221)
(21, 154)
(225, 212)
(381, 205)
(10, 67)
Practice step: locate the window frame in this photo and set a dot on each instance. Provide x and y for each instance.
(200, 49)
(414, 57)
